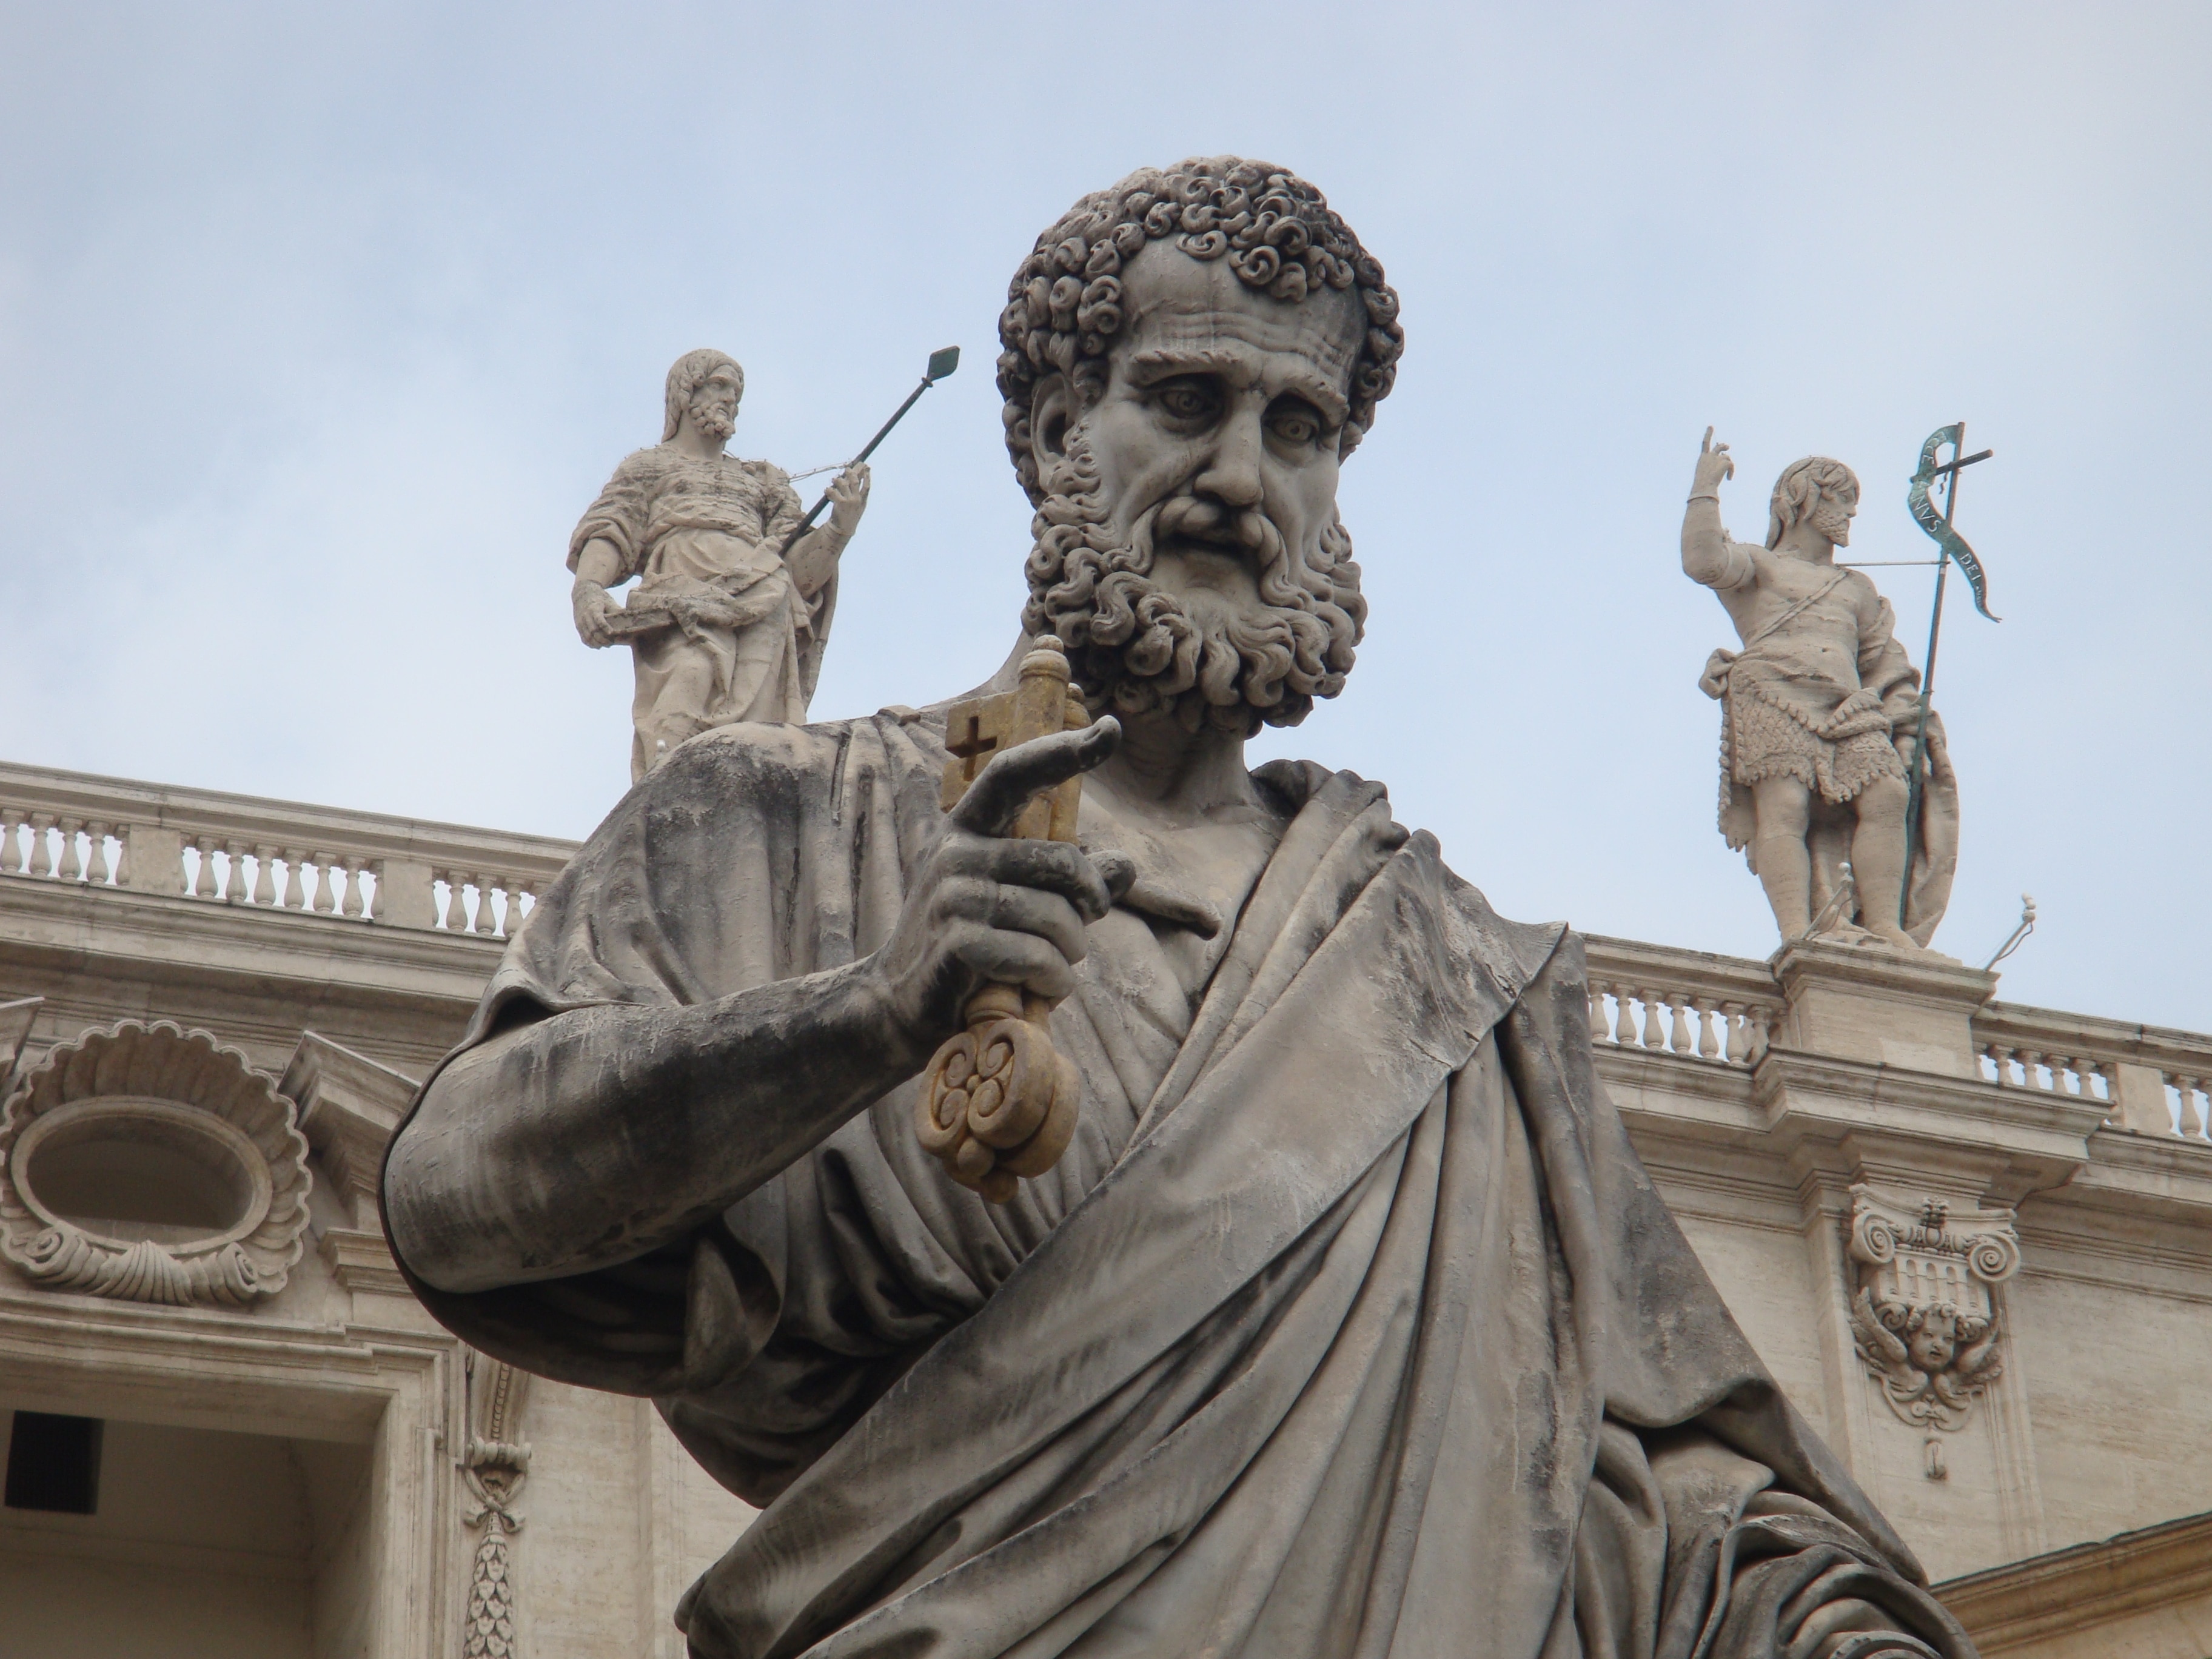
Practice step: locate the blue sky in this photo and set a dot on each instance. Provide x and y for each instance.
(319, 326)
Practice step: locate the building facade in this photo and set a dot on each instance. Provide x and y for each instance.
(1973, 1241)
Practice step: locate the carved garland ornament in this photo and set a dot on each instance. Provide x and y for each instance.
(1923, 1318)
(152, 1163)
(496, 1466)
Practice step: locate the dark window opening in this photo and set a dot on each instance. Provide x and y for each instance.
(53, 1463)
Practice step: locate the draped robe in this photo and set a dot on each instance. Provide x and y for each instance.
(1348, 1325)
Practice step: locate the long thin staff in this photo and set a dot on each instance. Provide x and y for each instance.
(941, 364)
(1945, 540)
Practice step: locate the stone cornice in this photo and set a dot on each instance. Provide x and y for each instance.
(2075, 1591)
(1834, 1117)
(149, 936)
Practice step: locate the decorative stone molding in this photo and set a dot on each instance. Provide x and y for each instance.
(495, 1466)
(152, 1164)
(1923, 1319)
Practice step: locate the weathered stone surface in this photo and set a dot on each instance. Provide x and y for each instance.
(1269, 1358)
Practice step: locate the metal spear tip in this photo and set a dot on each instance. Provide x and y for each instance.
(942, 364)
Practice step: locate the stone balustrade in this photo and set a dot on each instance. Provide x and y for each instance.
(1684, 1003)
(2158, 1082)
(240, 850)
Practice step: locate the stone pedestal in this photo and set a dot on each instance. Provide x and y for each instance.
(1857, 1003)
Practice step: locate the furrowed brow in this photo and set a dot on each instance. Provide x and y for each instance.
(1165, 362)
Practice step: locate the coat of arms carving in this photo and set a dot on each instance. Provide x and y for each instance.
(1923, 1318)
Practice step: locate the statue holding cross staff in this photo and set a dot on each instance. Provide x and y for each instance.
(1823, 721)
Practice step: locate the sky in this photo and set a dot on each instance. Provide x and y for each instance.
(319, 326)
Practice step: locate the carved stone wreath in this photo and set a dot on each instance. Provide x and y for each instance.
(1923, 1319)
(153, 1164)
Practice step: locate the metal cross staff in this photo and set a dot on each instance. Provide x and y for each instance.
(1950, 548)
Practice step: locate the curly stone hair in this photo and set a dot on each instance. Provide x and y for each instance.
(1277, 232)
(1799, 490)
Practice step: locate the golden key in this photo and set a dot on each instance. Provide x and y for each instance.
(999, 1101)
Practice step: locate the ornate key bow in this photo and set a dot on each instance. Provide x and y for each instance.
(999, 1101)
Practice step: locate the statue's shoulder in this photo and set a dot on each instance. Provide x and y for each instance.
(644, 465)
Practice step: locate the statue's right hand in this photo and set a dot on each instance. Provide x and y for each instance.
(595, 610)
(985, 908)
(1714, 464)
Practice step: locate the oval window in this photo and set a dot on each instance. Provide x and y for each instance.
(132, 1170)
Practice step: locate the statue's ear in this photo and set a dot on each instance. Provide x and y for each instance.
(1054, 411)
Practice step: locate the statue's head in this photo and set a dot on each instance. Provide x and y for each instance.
(1815, 490)
(1188, 358)
(1932, 1337)
(707, 385)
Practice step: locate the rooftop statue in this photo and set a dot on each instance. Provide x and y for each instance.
(1343, 1320)
(1818, 713)
(726, 622)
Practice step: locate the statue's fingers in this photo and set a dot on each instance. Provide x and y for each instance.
(1707, 443)
(1016, 775)
(1117, 870)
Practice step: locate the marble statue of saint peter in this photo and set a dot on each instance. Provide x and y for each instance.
(1348, 1324)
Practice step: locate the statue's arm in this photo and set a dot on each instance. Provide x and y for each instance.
(589, 1137)
(603, 550)
(1707, 556)
(813, 558)
(598, 568)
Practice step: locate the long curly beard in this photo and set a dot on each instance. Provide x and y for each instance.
(716, 423)
(1134, 648)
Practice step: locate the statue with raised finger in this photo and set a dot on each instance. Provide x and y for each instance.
(1820, 710)
(734, 599)
(1338, 1316)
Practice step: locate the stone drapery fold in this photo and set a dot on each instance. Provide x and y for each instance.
(1362, 1331)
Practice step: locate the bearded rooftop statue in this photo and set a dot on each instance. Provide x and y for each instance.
(1346, 1323)
(731, 609)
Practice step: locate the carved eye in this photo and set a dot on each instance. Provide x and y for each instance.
(1187, 400)
(1295, 423)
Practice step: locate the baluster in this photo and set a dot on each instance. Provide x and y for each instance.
(295, 896)
(311, 883)
(1682, 1042)
(72, 869)
(1739, 1034)
(1708, 1029)
(1653, 1036)
(341, 888)
(2093, 1071)
(264, 875)
(234, 889)
(517, 892)
(2001, 1057)
(95, 833)
(2031, 1063)
(376, 905)
(42, 852)
(1755, 1049)
(1600, 1023)
(2188, 1122)
(11, 851)
(507, 916)
(353, 905)
(457, 915)
(484, 922)
(1624, 1025)
(203, 878)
